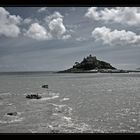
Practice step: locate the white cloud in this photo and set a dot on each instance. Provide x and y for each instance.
(115, 37)
(15, 19)
(57, 27)
(9, 23)
(40, 10)
(124, 15)
(9, 31)
(55, 15)
(64, 37)
(38, 32)
(27, 20)
(92, 13)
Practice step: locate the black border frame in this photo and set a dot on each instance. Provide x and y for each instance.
(68, 3)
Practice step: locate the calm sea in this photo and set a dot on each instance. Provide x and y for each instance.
(73, 103)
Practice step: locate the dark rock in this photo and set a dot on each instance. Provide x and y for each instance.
(12, 114)
(33, 96)
(45, 86)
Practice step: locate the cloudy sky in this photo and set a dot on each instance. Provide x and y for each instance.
(53, 38)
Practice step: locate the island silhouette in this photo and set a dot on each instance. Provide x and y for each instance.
(91, 64)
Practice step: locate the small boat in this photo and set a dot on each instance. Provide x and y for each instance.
(45, 86)
(33, 96)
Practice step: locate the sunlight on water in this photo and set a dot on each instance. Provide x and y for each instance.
(74, 103)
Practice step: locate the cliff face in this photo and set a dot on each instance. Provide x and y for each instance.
(89, 63)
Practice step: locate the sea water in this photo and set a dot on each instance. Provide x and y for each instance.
(73, 103)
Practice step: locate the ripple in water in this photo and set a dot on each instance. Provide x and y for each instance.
(62, 121)
(64, 99)
(11, 119)
(5, 94)
(49, 98)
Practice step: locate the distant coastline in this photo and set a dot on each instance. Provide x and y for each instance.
(103, 71)
(57, 72)
(26, 72)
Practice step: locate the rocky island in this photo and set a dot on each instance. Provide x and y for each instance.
(91, 64)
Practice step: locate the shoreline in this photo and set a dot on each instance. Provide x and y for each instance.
(101, 71)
